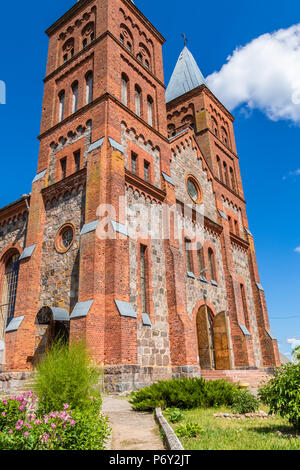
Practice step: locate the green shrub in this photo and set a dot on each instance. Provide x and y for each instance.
(64, 430)
(174, 415)
(244, 402)
(13, 409)
(67, 375)
(282, 393)
(188, 430)
(184, 394)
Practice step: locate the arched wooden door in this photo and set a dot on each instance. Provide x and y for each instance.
(205, 336)
(213, 342)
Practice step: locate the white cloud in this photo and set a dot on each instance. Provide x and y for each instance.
(294, 342)
(264, 74)
(297, 250)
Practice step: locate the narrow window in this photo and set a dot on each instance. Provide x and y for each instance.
(232, 179)
(66, 58)
(61, 106)
(245, 307)
(230, 224)
(150, 110)
(188, 255)
(146, 170)
(134, 162)
(92, 37)
(129, 47)
(219, 169)
(226, 174)
(138, 95)
(211, 262)
(124, 90)
(236, 226)
(147, 65)
(200, 259)
(144, 296)
(72, 52)
(121, 39)
(10, 289)
(74, 97)
(140, 58)
(89, 88)
(63, 165)
(77, 160)
(84, 43)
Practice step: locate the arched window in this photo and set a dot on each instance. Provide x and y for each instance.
(188, 255)
(68, 49)
(201, 266)
(215, 127)
(124, 89)
(88, 34)
(129, 46)
(61, 98)
(211, 264)
(89, 87)
(147, 64)
(226, 174)
(232, 179)
(219, 169)
(150, 110)
(121, 39)
(224, 136)
(74, 97)
(138, 100)
(9, 289)
(140, 58)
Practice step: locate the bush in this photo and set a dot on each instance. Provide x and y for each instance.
(66, 375)
(15, 409)
(174, 415)
(64, 430)
(184, 394)
(244, 402)
(282, 393)
(188, 430)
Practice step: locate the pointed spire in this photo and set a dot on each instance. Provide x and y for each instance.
(186, 76)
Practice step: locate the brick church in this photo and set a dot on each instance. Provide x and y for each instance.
(117, 146)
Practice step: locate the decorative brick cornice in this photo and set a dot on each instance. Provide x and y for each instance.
(15, 209)
(143, 186)
(65, 185)
(239, 242)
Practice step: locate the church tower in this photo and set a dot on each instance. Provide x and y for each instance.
(88, 264)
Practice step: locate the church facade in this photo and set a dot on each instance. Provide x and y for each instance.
(135, 235)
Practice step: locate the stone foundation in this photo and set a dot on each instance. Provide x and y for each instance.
(11, 382)
(123, 378)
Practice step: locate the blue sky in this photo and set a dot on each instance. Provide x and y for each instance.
(269, 149)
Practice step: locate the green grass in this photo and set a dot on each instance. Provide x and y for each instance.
(237, 434)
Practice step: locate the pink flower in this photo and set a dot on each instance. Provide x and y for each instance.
(21, 408)
(53, 426)
(72, 423)
(37, 422)
(18, 428)
(45, 438)
(66, 406)
(3, 414)
(10, 431)
(26, 434)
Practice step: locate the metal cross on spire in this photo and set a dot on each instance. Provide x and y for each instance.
(184, 38)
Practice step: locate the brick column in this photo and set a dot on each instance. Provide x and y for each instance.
(20, 344)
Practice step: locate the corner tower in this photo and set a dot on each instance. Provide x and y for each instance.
(191, 105)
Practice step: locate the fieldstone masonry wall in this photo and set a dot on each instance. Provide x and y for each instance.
(60, 271)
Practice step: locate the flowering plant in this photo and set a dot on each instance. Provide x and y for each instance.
(23, 428)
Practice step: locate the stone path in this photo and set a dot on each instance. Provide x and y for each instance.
(131, 430)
